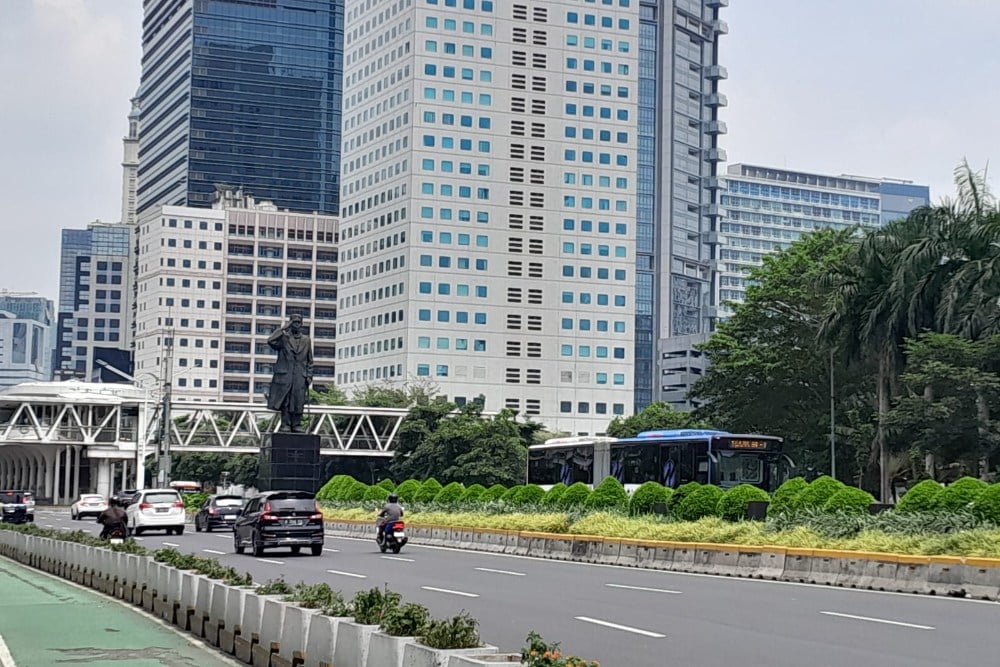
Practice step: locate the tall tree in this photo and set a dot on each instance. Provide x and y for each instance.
(654, 417)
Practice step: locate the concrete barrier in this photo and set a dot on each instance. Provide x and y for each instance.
(825, 567)
(945, 576)
(321, 640)
(798, 565)
(489, 540)
(440, 536)
(294, 632)
(385, 650)
(981, 578)
(663, 558)
(351, 649)
(611, 548)
(683, 560)
(522, 546)
(510, 542)
(911, 575)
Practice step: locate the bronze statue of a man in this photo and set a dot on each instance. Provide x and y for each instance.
(293, 373)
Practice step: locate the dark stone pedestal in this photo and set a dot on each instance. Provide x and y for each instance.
(290, 462)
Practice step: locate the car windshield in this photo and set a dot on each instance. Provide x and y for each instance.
(229, 502)
(154, 498)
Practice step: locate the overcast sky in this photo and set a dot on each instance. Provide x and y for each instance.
(895, 88)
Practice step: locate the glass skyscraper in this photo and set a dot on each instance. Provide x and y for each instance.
(767, 208)
(244, 93)
(678, 157)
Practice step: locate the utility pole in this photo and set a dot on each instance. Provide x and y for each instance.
(168, 361)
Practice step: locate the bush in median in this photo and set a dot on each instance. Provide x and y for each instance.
(407, 491)
(987, 505)
(609, 494)
(553, 495)
(960, 494)
(474, 493)
(733, 503)
(510, 495)
(494, 493)
(703, 501)
(849, 500)
(387, 484)
(682, 492)
(647, 496)
(575, 496)
(428, 491)
(530, 494)
(457, 632)
(815, 495)
(784, 495)
(921, 498)
(451, 493)
(375, 494)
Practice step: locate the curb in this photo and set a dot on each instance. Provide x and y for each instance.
(955, 576)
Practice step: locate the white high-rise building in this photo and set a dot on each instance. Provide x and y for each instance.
(130, 165)
(213, 284)
(489, 194)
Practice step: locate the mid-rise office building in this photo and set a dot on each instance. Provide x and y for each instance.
(26, 328)
(677, 213)
(246, 94)
(490, 169)
(766, 208)
(213, 284)
(94, 285)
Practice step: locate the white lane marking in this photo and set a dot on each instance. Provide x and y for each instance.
(644, 588)
(49, 525)
(348, 574)
(170, 544)
(274, 562)
(450, 592)
(405, 560)
(225, 537)
(878, 620)
(661, 573)
(333, 551)
(6, 659)
(213, 551)
(615, 626)
(513, 574)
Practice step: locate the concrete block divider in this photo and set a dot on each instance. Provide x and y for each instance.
(945, 576)
(684, 555)
(352, 642)
(911, 575)
(982, 578)
(798, 565)
(321, 639)
(386, 650)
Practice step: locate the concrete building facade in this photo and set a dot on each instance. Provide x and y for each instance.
(27, 324)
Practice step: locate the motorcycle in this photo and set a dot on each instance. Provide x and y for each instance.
(116, 534)
(393, 538)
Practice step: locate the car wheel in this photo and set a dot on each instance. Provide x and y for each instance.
(237, 545)
(179, 530)
(138, 531)
(74, 516)
(316, 549)
(296, 550)
(258, 550)
(208, 526)
(197, 525)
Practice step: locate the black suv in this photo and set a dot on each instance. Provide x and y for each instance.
(280, 519)
(218, 511)
(15, 507)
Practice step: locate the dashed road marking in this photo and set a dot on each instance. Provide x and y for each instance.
(624, 628)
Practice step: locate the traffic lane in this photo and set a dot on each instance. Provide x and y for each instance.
(819, 618)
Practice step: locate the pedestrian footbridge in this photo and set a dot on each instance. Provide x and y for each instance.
(50, 431)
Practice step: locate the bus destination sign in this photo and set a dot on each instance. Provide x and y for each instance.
(755, 444)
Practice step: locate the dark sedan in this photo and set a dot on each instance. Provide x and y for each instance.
(218, 512)
(14, 508)
(280, 519)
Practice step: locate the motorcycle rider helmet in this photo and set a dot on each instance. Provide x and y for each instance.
(393, 498)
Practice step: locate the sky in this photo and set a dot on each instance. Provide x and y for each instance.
(886, 88)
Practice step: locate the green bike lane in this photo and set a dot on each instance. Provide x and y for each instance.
(46, 621)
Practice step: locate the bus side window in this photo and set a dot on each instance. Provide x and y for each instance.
(700, 451)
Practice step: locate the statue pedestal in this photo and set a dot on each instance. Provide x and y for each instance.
(289, 462)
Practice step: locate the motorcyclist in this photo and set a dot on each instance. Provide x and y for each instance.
(112, 518)
(391, 513)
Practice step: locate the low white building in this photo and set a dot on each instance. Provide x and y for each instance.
(214, 283)
(26, 328)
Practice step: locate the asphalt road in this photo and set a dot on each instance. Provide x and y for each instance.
(627, 617)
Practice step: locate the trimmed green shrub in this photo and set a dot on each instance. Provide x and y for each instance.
(680, 493)
(334, 489)
(784, 496)
(575, 495)
(702, 502)
(529, 494)
(354, 491)
(451, 493)
(849, 500)
(495, 492)
(987, 505)
(733, 504)
(458, 632)
(408, 490)
(646, 496)
(473, 494)
(960, 494)
(553, 495)
(510, 495)
(407, 620)
(815, 495)
(375, 494)
(387, 484)
(372, 606)
(428, 491)
(609, 494)
(921, 498)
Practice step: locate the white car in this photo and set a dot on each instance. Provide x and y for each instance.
(156, 509)
(89, 504)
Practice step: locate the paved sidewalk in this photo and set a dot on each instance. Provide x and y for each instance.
(45, 621)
